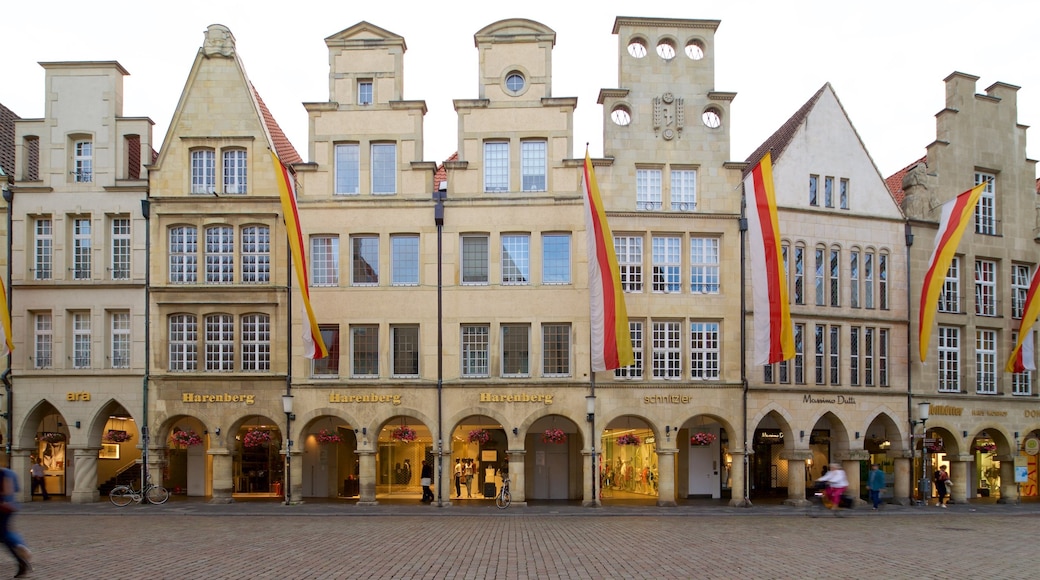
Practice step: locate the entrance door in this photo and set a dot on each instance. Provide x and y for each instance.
(551, 472)
(704, 472)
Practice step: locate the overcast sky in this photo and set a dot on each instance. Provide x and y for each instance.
(885, 59)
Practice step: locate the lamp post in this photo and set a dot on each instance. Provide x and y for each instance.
(924, 486)
(287, 403)
(590, 416)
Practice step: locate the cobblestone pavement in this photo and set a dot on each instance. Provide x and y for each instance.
(259, 540)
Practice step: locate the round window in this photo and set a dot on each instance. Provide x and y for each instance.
(621, 116)
(695, 50)
(515, 82)
(637, 48)
(712, 119)
(666, 50)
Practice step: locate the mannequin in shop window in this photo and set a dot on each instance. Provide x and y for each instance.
(458, 478)
(406, 471)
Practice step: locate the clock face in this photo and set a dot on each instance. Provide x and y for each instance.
(637, 48)
(620, 116)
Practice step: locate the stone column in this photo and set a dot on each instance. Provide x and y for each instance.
(901, 484)
(796, 459)
(20, 463)
(85, 486)
(223, 477)
(296, 464)
(1008, 487)
(737, 474)
(517, 485)
(367, 477)
(588, 499)
(850, 462)
(959, 476)
(666, 477)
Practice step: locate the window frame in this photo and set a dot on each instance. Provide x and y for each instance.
(666, 350)
(347, 180)
(950, 298)
(985, 361)
(705, 350)
(404, 260)
(533, 165)
(365, 92)
(364, 351)
(629, 252)
(648, 188)
(556, 259)
(496, 166)
(516, 250)
(1021, 277)
(43, 248)
(475, 351)
(327, 367)
(383, 168)
(203, 167)
(220, 254)
(83, 161)
(985, 287)
(255, 267)
(234, 171)
(183, 342)
(522, 340)
(81, 339)
(219, 342)
(43, 340)
(683, 189)
(556, 350)
(324, 260)
(949, 357)
(666, 264)
(401, 337)
(985, 210)
(120, 250)
(634, 370)
(474, 274)
(256, 342)
(705, 265)
(119, 339)
(183, 258)
(82, 248)
(362, 247)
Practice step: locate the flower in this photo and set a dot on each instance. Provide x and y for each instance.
(116, 436)
(479, 435)
(935, 447)
(326, 436)
(554, 435)
(628, 439)
(403, 433)
(51, 437)
(256, 438)
(702, 438)
(185, 438)
(986, 447)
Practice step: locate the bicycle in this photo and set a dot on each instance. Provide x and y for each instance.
(503, 499)
(122, 495)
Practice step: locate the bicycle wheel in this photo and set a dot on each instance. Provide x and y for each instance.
(503, 499)
(157, 494)
(121, 495)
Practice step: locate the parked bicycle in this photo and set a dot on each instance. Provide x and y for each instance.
(122, 495)
(503, 499)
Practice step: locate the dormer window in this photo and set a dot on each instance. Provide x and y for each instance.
(83, 162)
(364, 92)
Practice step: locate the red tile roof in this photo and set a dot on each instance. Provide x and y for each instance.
(441, 175)
(895, 181)
(7, 119)
(285, 150)
(779, 140)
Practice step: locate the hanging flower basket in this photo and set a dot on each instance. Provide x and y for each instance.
(51, 437)
(554, 435)
(701, 439)
(936, 447)
(403, 433)
(117, 436)
(628, 439)
(479, 436)
(985, 447)
(185, 438)
(256, 438)
(326, 436)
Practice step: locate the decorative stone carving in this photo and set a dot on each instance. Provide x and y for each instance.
(917, 200)
(669, 116)
(219, 41)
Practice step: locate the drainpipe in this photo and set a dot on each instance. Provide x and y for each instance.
(146, 206)
(6, 376)
(743, 226)
(908, 234)
(438, 219)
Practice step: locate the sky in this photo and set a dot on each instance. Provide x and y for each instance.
(885, 59)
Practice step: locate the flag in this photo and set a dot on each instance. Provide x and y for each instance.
(1021, 358)
(313, 345)
(610, 339)
(956, 214)
(774, 334)
(5, 318)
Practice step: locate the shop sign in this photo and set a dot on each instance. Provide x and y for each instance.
(224, 398)
(987, 413)
(395, 400)
(769, 437)
(1032, 413)
(1031, 446)
(515, 398)
(837, 400)
(947, 410)
(84, 396)
(1021, 469)
(667, 399)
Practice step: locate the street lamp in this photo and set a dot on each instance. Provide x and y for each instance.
(924, 486)
(287, 402)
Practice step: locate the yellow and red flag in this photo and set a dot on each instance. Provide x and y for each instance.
(1022, 358)
(5, 318)
(313, 345)
(956, 215)
(610, 339)
(774, 333)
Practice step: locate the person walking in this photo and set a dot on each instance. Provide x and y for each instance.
(426, 479)
(837, 483)
(875, 483)
(8, 506)
(36, 472)
(941, 480)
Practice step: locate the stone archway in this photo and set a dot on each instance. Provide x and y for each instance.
(330, 464)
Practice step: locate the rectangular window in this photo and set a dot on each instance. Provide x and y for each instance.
(799, 354)
(405, 351)
(184, 247)
(120, 244)
(666, 256)
(814, 183)
(684, 189)
(364, 260)
(43, 242)
(364, 92)
(854, 356)
(949, 359)
(556, 350)
(985, 288)
(985, 211)
(704, 265)
(648, 189)
(384, 168)
(348, 169)
(820, 266)
(818, 341)
(119, 353)
(476, 354)
(327, 367)
(666, 348)
(324, 261)
(834, 278)
(868, 279)
(532, 165)
(83, 162)
(43, 339)
(516, 344)
(556, 259)
(868, 357)
(256, 255)
(220, 255)
(882, 292)
(986, 361)
(203, 171)
(629, 250)
(235, 171)
(364, 351)
(256, 343)
(843, 194)
(854, 279)
(704, 350)
(768, 374)
(634, 370)
(828, 191)
(81, 340)
(1020, 280)
(882, 347)
(1022, 383)
(496, 166)
(949, 300)
(834, 353)
(220, 343)
(516, 259)
(799, 275)
(404, 260)
(474, 259)
(82, 250)
(184, 337)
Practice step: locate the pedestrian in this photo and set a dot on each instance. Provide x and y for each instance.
(458, 478)
(875, 483)
(36, 472)
(941, 480)
(11, 539)
(837, 482)
(426, 479)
